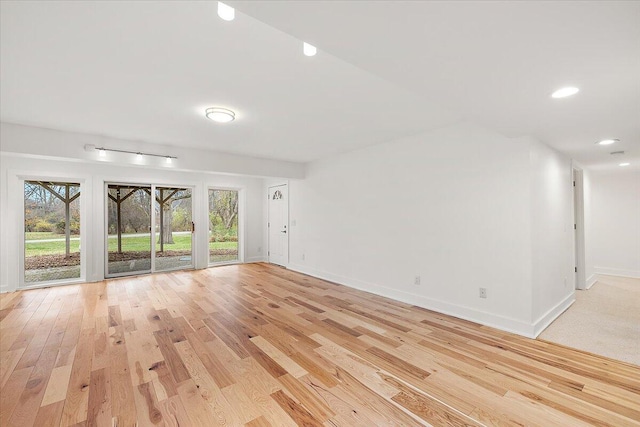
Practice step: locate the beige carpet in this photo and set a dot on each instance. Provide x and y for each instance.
(604, 320)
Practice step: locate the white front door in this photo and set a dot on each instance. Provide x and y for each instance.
(279, 225)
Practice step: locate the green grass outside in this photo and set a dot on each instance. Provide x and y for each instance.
(133, 244)
(41, 235)
(50, 248)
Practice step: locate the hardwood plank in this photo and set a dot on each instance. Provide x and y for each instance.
(10, 394)
(300, 415)
(261, 421)
(99, 406)
(77, 401)
(49, 415)
(57, 386)
(173, 412)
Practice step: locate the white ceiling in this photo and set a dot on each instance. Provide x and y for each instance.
(147, 70)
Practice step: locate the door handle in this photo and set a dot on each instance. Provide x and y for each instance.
(193, 227)
(283, 231)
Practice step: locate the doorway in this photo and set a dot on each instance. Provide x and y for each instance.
(278, 225)
(133, 211)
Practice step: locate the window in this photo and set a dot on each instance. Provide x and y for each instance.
(223, 226)
(51, 231)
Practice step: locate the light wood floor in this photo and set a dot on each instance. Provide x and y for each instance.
(258, 345)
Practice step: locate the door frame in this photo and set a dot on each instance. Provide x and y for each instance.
(286, 262)
(577, 176)
(105, 236)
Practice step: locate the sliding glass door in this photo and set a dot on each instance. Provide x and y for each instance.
(174, 228)
(128, 229)
(132, 213)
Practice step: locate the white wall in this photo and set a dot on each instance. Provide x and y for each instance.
(454, 206)
(552, 261)
(614, 226)
(68, 145)
(451, 206)
(93, 175)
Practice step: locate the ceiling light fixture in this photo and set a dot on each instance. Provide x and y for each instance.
(625, 164)
(308, 49)
(220, 115)
(102, 152)
(169, 159)
(226, 12)
(138, 156)
(607, 141)
(564, 92)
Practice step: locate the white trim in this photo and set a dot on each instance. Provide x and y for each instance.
(578, 235)
(503, 323)
(551, 315)
(255, 259)
(591, 281)
(617, 272)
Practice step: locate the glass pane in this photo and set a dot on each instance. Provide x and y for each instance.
(173, 228)
(51, 231)
(223, 226)
(129, 229)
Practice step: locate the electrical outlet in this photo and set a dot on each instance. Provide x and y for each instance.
(416, 280)
(259, 249)
(483, 292)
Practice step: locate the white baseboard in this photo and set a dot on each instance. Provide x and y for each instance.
(4, 289)
(591, 281)
(255, 259)
(617, 272)
(503, 323)
(551, 315)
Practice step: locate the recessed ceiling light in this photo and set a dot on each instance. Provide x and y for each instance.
(226, 12)
(607, 141)
(220, 115)
(625, 164)
(308, 49)
(564, 92)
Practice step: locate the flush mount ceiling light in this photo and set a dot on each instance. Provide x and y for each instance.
(624, 164)
(220, 115)
(308, 49)
(226, 12)
(565, 91)
(607, 141)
